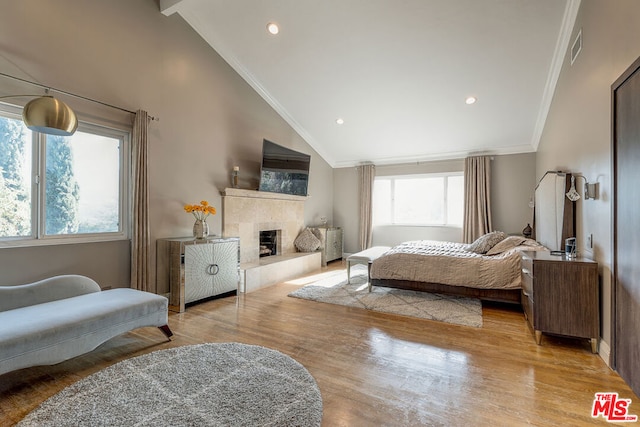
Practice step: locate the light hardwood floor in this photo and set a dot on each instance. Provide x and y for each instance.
(374, 369)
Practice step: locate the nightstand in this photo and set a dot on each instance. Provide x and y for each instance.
(331, 245)
(561, 296)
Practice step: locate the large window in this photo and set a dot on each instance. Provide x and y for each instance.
(433, 199)
(54, 188)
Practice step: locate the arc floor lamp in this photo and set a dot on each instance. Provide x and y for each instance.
(48, 115)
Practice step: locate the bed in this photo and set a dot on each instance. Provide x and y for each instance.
(456, 268)
(489, 268)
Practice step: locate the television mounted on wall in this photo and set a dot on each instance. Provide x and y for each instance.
(284, 170)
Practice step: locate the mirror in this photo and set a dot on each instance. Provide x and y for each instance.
(554, 213)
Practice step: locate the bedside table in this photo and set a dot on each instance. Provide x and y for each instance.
(561, 296)
(331, 246)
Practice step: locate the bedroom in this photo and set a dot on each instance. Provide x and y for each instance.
(172, 73)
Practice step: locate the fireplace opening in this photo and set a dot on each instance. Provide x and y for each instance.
(268, 243)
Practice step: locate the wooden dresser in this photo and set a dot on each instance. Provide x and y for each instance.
(561, 296)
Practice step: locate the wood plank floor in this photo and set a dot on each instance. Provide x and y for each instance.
(373, 369)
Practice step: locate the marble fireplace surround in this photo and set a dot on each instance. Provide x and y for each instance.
(245, 213)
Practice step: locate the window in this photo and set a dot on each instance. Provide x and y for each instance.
(434, 199)
(54, 188)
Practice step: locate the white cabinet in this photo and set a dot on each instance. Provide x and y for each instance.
(197, 269)
(330, 243)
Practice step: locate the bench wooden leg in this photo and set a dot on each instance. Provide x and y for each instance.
(165, 330)
(369, 275)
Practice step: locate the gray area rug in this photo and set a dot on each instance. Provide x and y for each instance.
(228, 384)
(335, 290)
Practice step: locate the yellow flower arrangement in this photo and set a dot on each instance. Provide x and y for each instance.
(201, 211)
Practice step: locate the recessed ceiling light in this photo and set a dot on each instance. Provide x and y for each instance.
(273, 28)
(470, 100)
(339, 121)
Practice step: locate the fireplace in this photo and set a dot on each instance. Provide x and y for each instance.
(246, 212)
(268, 243)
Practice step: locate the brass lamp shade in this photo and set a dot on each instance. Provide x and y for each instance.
(49, 115)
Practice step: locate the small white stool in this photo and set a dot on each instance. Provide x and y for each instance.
(365, 257)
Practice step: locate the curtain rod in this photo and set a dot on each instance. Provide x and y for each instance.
(152, 118)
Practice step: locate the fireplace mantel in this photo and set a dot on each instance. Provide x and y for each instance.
(238, 192)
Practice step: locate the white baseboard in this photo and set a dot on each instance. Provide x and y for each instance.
(604, 351)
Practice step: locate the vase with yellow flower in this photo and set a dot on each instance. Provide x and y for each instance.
(200, 212)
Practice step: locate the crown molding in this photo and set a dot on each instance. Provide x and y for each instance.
(562, 44)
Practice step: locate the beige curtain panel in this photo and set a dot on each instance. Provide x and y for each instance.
(140, 200)
(477, 197)
(366, 175)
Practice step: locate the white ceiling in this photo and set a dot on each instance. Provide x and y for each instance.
(397, 71)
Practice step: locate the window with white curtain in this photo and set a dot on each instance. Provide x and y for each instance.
(61, 189)
(422, 200)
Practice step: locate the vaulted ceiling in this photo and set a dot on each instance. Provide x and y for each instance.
(397, 72)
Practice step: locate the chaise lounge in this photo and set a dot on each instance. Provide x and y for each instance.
(50, 321)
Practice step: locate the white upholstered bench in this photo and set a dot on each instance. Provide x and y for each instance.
(55, 319)
(365, 257)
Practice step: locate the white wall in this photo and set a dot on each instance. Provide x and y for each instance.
(345, 206)
(128, 54)
(512, 184)
(577, 133)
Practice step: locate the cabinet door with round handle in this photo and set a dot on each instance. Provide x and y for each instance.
(199, 272)
(225, 256)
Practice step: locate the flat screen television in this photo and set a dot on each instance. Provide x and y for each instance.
(284, 170)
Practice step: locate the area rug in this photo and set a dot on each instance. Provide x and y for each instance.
(227, 384)
(425, 305)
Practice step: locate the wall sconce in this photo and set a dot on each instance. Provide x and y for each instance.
(590, 190)
(48, 115)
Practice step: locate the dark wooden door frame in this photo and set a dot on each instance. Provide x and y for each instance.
(628, 73)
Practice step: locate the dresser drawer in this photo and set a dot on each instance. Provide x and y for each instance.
(527, 306)
(527, 281)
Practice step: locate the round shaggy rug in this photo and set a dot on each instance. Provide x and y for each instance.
(228, 384)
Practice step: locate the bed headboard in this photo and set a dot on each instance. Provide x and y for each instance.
(554, 213)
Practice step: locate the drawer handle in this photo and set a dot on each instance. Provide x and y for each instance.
(526, 271)
(525, 293)
(213, 269)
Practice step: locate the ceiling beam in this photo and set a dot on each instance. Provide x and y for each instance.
(169, 7)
